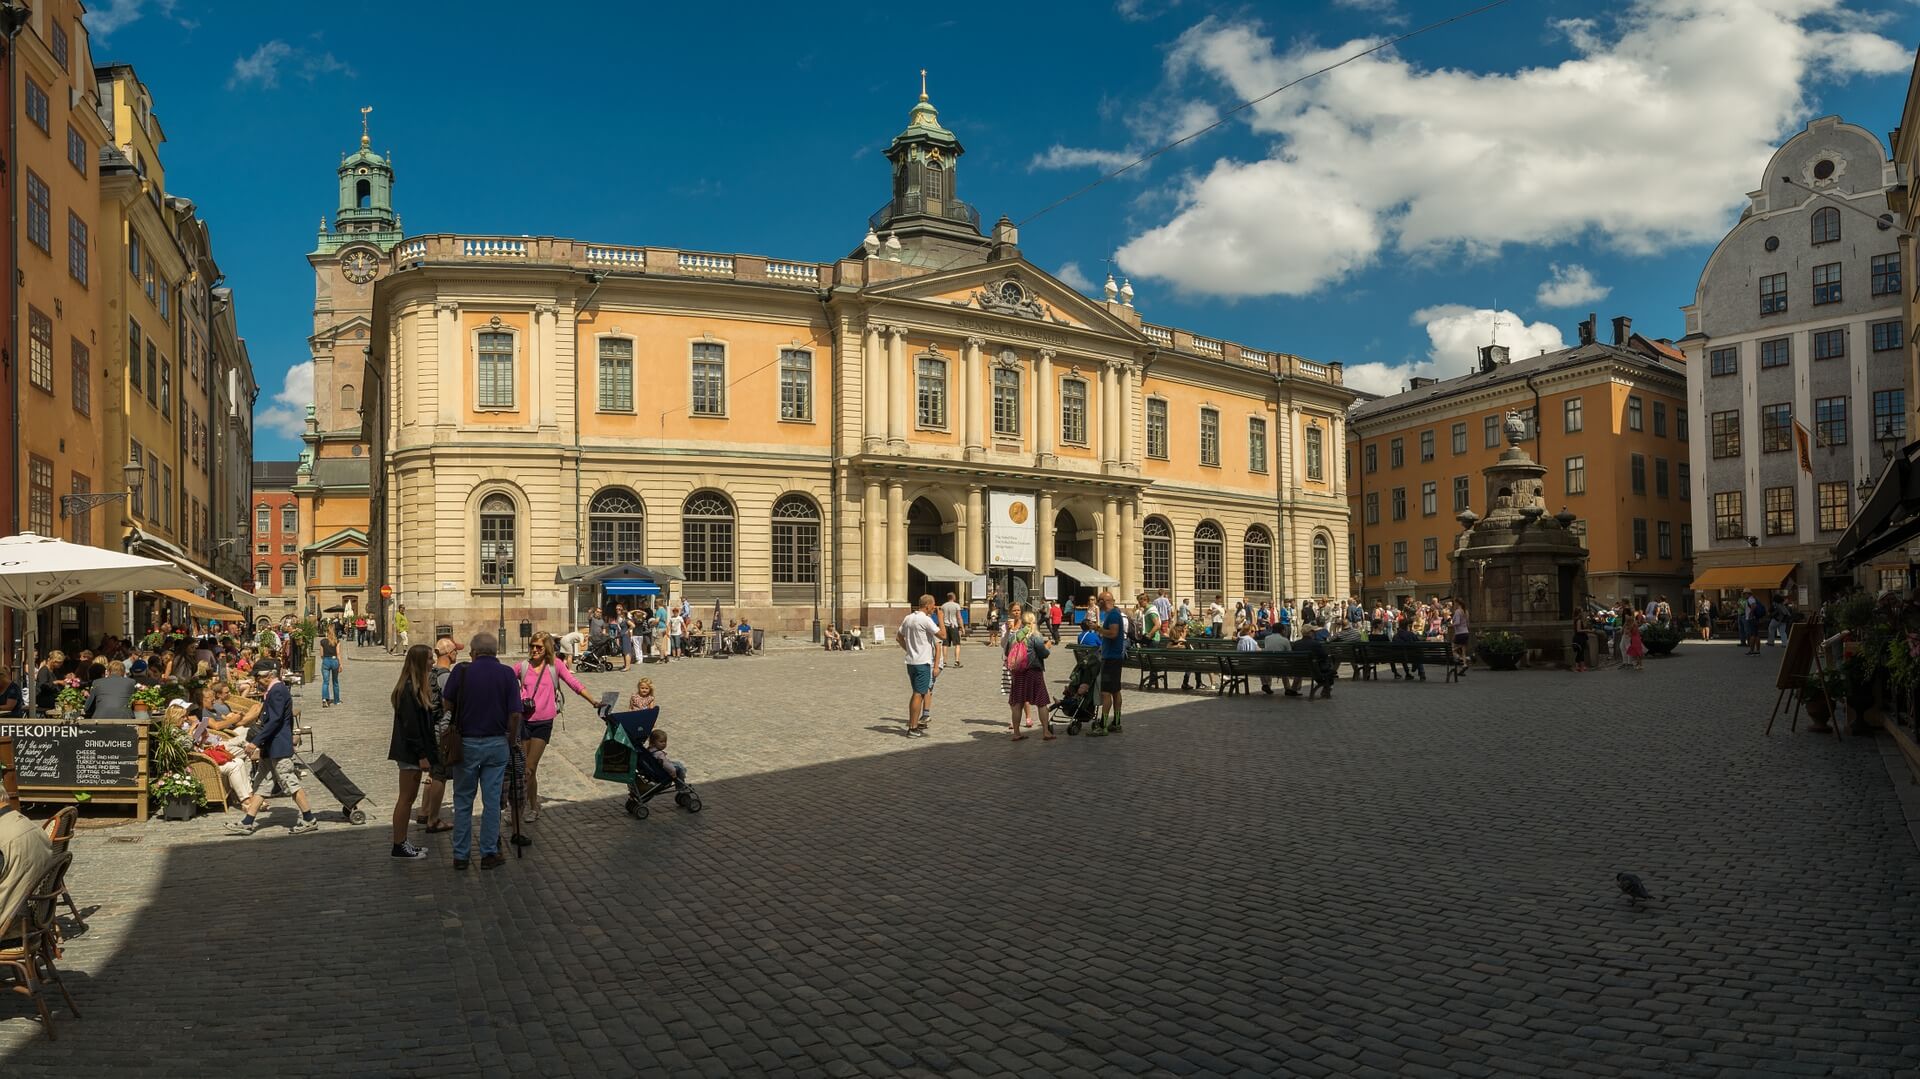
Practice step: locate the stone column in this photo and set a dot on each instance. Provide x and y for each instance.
(874, 405)
(1109, 412)
(1043, 419)
(873, 545)
(1124, 420)
(976, 393)
(1109, 548)
(896, 543)
(1043, 540)
(1130, 547)
(453, 364)
(897, 381)
(976, 551)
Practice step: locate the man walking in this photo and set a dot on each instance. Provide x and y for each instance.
(484, 696)
(919, 637)
(950, 618)
(271, 744)
(1113, 656)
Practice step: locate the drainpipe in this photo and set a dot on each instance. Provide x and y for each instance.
(13, 19)
(1280, 438)
(831, 526)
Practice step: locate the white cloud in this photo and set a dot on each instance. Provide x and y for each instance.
(1648, 137)
(1143, 10)
(287, 415)
(1073, 277)
(1570, 286)
(1072, 157)
(1455, 333)
(111, 16)
(262, 68)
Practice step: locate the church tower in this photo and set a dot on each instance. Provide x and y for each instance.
(927, 217)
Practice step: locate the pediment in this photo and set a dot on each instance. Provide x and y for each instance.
(1014, 289)
(354, 328)
(347, 540)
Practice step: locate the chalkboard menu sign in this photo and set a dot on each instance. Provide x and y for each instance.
(76, 755)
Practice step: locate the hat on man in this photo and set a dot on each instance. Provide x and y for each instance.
(138, 666)
(266, 667)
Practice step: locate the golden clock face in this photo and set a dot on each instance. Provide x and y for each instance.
(359, 266)
(1017, 511)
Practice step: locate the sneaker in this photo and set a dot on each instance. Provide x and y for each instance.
(530, 816)
(304, 825)
(1114, 727)
(460, 864)
(1098, 730)
(240, 827)
(916, 732)
(408, 850)
(493, 861)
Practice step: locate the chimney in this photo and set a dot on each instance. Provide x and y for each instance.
(1006, 241)
(1492, 356)
(1418, 382)
(1622, 329)
(1586, 329)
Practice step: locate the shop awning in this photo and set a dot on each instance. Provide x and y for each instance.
(162, 549)
(1083, 573)
(1758, 578)
(200, 604)
(1889, 516)
(581, 575)
(940, 568)
(631, 586)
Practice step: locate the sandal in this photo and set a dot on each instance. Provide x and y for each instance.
(1018, 738)
(443, 826)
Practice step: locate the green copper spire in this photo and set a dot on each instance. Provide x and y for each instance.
(365, 213)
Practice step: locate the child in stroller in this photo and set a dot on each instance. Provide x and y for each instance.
(633, 752)
(1080, 703)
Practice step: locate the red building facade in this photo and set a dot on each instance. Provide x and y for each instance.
(276, 539)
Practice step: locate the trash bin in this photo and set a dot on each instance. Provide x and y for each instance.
(526, 634)
(442, 631)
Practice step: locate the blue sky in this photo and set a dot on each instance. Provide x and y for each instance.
(1530, 164)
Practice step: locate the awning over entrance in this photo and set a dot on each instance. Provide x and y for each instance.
(1759, 578)
(200, 604)
(940, 568)
(1083, 573)
(631, 586)
(1888, 518)
(617, 571)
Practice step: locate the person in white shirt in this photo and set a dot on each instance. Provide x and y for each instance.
(1218, 616)
(572, 643)
(919, 637)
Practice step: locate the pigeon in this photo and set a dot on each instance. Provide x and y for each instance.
(1631, 885)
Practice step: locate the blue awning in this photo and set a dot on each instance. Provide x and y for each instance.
(631, 587)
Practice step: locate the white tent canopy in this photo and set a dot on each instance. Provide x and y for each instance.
(38, 571)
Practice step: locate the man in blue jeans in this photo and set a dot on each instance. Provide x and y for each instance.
(484, 696)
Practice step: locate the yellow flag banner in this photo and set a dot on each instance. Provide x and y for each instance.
(1801, 443)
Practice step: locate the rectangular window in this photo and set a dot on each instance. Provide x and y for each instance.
(1779, 511)
(1316, 454)
(76, 151)
(930, 393)
(133, 350)
(1459, 438)
(1683, 477)
(1663, 532)
(1400, 558)
(1637, 464)
(1776, 353)
(1528, 427)
(1574, 410)
(616, 374)
(166, 387)
(1776, 428)
(262, 520)
(1889, 414)
(39, 213)
(1257, 446)
(82, 523)
(133, 255)
(1372, 457)
(1460, 493)
(1830, 421)
(1634, 419)
(1577, 475)
(1399, 503)
(1829, 344)
(1826, 284)
(1639, 537)
(1729, 515)
(1397, 453)
(139, 494)
(1686, 541)
(1723, 361)
(708, 371)
(1156, 428)
(796, 384)
(1429, 498)
(287, 575)
(1680, 424)
(37, 106)
(1373, 560)
(350, 569)
(165, 301)
(82, 377)
(1372, 507)
(39, 495)
(1836, 506)
(1006, 402)
(1659, 419)
(39, 350)
(1886, 336)
(153, 373)
(76, 247)
(289, 519)
(1491, 428)
(1209, 436)
(1430, 554)
(494, 386)
(1073, 411)
(58, 44)
(1773, 294)
(1426, 445)
(1885, 274)
(1660, 488)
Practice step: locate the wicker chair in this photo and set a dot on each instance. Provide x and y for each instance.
(29, 943)
(60, 828)
(202, 768)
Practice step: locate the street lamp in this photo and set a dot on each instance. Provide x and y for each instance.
(74, 505)
(813, 559)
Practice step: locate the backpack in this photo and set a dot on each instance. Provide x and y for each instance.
(1017, 656)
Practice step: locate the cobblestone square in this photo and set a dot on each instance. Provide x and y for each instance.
(1409, 879)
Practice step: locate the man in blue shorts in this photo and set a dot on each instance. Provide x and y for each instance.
(1113, 656)
(919, 637)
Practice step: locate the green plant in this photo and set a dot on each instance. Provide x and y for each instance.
(1502, 643)
(1661, 638)
(71, 699)
(167, 747)
(1829, 685)
(151, 698)
(172, 785)
(1854, 612)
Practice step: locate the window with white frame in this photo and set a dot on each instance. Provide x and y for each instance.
(796, 384)
(1006, 401)
(616, 527)
(1073, 411)
(709, 374)
(796, 541)
(930, 392)
(1156, 554)
(1256, 444)
(1157, 428)
(1210, 436)
(1316, 453)
(706, 539)
(494, 372)
(1322, 566)
(616, 374)
(497, 518)
(1207, 558)
(1257, 561)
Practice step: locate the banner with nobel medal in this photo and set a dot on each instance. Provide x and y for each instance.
(1010, 529)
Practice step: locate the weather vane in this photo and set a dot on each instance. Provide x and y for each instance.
(364, 110)
(923, 84)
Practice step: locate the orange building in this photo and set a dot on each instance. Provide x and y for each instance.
(276, 539)
(1608, 420)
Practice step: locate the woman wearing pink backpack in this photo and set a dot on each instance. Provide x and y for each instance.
(1026, 663)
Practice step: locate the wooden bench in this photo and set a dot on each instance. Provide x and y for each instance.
(1426, 654)
(1238, 667)
(1156, 664)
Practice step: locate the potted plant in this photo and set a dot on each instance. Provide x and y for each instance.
(179, 795)
(72, 700)
(1502, 650)
(148, 700)
(1660, 638)
(1819, 693)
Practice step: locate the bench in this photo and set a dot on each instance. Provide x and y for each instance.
(1238, 667)
(1426, 653)
(1156, 664)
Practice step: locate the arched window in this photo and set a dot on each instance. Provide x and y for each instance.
(1322, 568)
(1208, 556)
(934, 181)
(1257, 562)
(706, 539)
(1156, 555)
(349, 398)
(796, 541)
(496, 541)
(616, 528)
(363, 194)
(1826, 225)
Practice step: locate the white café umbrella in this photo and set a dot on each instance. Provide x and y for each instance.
(40, 571)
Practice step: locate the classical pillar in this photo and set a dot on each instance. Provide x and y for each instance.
(1043, 419)
(896, 543)
(1110, 539)
(1109, 412)
(452, 348)
(1128, 384)
(1130, 547)
(874, 405)
(975, 395)
(1043, 541)
(897, 381)
(873, 544)
(976, 551)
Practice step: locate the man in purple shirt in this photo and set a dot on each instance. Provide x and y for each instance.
(484, 696)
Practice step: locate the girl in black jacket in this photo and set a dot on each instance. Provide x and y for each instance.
(414, 748)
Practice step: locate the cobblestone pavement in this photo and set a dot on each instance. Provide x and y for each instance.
(1409, 879)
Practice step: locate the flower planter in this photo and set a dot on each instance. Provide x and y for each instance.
(1502, 661)
(178, 809)
(1817, 708)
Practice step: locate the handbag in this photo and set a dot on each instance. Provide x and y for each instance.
(450, 749)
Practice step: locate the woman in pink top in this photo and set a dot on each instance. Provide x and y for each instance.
(541, 679)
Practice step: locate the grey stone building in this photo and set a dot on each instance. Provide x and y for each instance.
(1795, 333)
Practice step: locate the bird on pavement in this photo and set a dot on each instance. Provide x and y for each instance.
(1631, 885)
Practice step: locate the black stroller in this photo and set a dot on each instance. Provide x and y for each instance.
(598, 656)
(623, 757)
(1080, 703)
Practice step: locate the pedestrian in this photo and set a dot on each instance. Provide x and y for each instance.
(373, 630)
(676, 633)
(541, 678)
(623, 637)
(919, 637)
(401, 625)
(996, 611)
(485, 698)
(1276, 642)
(1053, 619)
(413, 746)
(1216, 618)
(1015, 615)
(445, 652)
(1704, 612)
(1113, 657)
(950, 621)
(1636, 649)
(271, 739)
(1580, 638)
(1462, 632)
(1025, 655)
(329, 668)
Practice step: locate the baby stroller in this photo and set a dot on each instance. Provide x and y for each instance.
(1080, 703)
(598, 656)
(624, 758)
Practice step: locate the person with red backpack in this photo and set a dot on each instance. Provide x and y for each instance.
(1026, 662)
